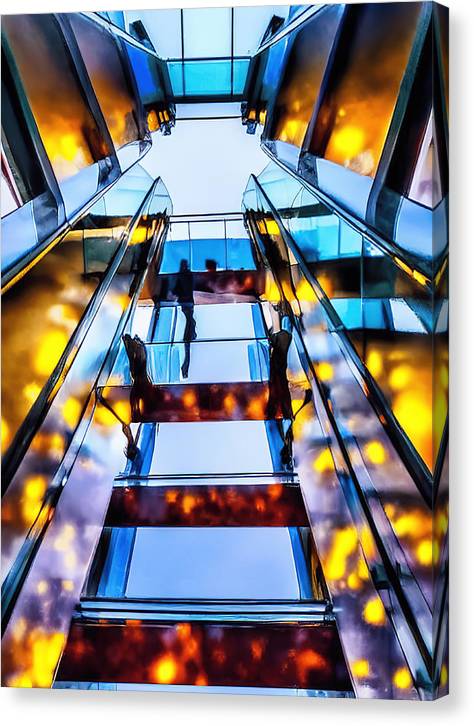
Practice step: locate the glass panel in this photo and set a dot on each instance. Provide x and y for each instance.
(173, 254)
(397, 346)
(358, 106)
(207, 32)
(106, 71)
(213, 322)
(147, 75)
(177, 77)
(214, 563)
(238, 361)
(208, 252)
(240, 254)
(68, 130)
(303, 76)
(224, 502)
(250, 23)
(207, 78)
(164, 29)
(206, 230)
(240, 76)
(212, 448)
(42, 310)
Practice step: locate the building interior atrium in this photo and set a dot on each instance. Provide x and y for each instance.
(225, 350)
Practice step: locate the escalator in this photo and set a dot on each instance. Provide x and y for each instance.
(206, 572)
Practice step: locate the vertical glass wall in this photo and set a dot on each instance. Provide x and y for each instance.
(358, 106)
(384, 306)
(69, 132)
(105, 67)
(301, 81)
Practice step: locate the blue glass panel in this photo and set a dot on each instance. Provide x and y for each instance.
(204, 250)
(173, 253)
(146, 74)
(117, 18)
(240, 74)
(207, 78)
(175, 69)
(239, 255)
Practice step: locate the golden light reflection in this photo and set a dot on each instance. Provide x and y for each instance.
(344, 543)
(374, 611)
(324, 461)
(363, 100)
(165, 669)
(5, 435)
(443, 680)
(34, 489)
(37, 653)
(416, 391)
(71, 410)
(375, 452)
(49, 350)
(325, 371)
(360, 668)
(402, 678)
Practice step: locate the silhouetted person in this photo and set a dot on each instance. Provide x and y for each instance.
(131, 451)
(184, 291)
(141, 382)
(279, 399)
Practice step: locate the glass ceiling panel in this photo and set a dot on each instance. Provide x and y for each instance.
(164, 29)
(250, 24)
(207, 32)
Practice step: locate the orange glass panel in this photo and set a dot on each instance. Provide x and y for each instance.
(105, 69)
(67, 127)
(358, 109)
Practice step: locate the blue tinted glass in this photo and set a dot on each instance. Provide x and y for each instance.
(207, 78)
(208, 250)
(274, 66)
(350, 312)
(146, 74)
(117, 18)
(176, 76)
(173, 253)
(240, 74)
(239, 255)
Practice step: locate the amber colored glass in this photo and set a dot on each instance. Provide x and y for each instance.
(106, 71)
(303, 77)
(356, 113)
(67, 127)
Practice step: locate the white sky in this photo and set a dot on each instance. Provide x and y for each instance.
(205, 164)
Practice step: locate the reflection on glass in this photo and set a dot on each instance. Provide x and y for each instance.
(149, 74)
(42, 310)
(303, 76)
(357, 109)
(106, 71)
(212, 447)
(227, 502)
(203, 653)
(68, 130)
